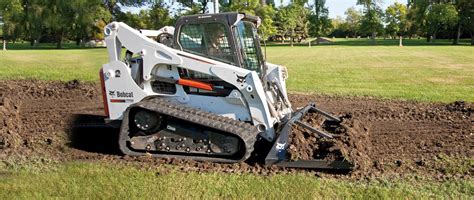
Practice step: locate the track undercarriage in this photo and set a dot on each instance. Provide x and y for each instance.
(164, 129)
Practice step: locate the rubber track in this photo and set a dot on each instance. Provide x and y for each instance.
(245, 131)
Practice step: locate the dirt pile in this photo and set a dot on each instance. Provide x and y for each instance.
(36, 114)
(322, 40)
(355, 144)
(383, 138)
(306, 145)
(350, 142)
(9, 117)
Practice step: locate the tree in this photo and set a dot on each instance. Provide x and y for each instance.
(319, 20)
(302, 14)
(87, 13)
(339, 27)
(467, 19)
(34, 13)
(353, 20)
(98, 32)
(418, 16)
(292, 21)
(465, 10)
(192, 7)
(285, 21)
(254, 7)
(266, 13)
(159, 16)
(134, 20)
(12, 15)
(429, 20)
(395, 17)
(113, 6)
(371, 21)
(413, 23)
(58, 27)
(441, 17)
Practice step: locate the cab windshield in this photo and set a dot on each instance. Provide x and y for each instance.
(249, 45)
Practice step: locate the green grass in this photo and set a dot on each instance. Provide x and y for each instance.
(52, 64)
(418, 71)
(379, 42)
(425, 73)
(107, 181)
(395, 42)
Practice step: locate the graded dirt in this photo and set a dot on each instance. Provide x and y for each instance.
(383, 138)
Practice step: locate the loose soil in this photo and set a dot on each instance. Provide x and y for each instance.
(382, 138)
(349, 142)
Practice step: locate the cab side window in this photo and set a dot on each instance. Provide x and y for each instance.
(209, 40)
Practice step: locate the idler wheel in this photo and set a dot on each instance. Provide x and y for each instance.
(147, 121)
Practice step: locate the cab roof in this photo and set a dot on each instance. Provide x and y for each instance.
(230, 18)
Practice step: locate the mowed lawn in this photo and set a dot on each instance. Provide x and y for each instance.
(426, 73)
(52, 64)
(442, 73)
(99, 180)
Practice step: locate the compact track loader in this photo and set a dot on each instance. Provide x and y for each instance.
(201, 90)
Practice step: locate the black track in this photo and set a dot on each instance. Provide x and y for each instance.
(244, 131)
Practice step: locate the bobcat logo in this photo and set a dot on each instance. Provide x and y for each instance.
(241, 79)
(112, 93)
(280, 146)
(117, 73)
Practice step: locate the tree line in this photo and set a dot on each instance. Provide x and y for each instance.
(430, 19)
(82, 20)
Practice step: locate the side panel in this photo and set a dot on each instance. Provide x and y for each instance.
(120, 89)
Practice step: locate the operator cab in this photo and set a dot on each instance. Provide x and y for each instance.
(227, 37)
(230, 38)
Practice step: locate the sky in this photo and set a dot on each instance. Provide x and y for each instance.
(336, 7)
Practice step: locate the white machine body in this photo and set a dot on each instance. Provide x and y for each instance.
(261, 100)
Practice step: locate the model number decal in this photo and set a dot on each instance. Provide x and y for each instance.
(121, 100)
